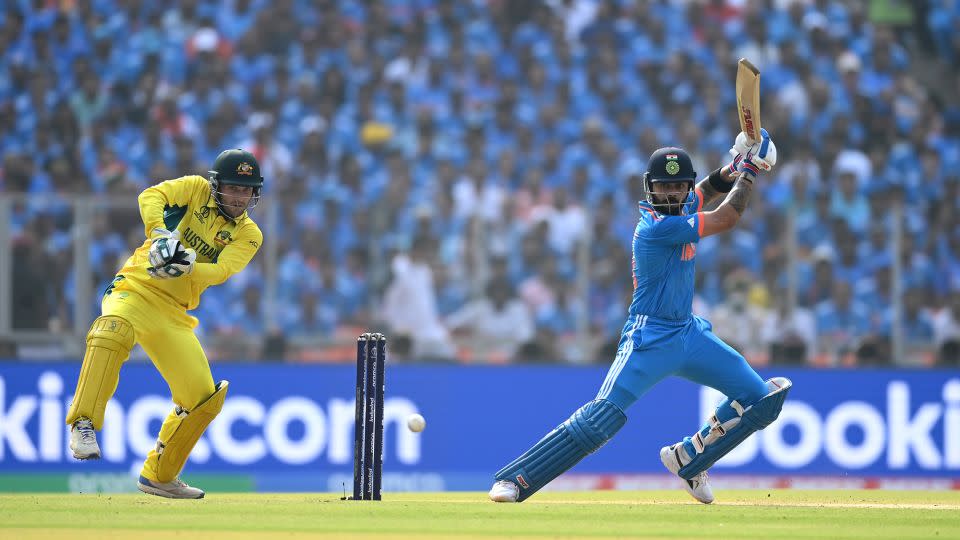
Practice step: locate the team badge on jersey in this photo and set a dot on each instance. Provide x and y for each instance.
(223, 238)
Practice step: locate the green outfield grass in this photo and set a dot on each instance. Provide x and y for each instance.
(744, 514)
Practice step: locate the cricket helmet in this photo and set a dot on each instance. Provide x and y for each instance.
(235, 167)
(668, 165)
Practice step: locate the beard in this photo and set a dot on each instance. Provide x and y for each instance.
(667, 204)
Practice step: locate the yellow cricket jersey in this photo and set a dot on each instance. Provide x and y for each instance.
(224, 246)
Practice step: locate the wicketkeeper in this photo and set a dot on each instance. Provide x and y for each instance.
(198, 234)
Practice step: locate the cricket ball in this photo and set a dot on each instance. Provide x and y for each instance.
(416, 423)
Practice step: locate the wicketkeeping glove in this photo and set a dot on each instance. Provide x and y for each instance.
(164, 247)
(168, 257)
(181, 264)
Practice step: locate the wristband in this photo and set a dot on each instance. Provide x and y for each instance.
(718, 183)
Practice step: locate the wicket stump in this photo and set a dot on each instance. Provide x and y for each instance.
(368, 417)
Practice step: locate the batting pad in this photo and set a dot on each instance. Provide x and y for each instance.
(582, 434)
(724, 434)
(179, 434)
(108, 345)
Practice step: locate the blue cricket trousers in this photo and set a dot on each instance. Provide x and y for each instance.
(651, 349)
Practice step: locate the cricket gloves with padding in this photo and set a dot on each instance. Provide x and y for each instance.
(752, 159)
(168, 256)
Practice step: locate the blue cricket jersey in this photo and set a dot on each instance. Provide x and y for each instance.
(664, 247)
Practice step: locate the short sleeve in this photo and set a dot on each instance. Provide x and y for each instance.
(672, 230)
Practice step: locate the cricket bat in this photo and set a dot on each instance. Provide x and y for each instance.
(748, 99)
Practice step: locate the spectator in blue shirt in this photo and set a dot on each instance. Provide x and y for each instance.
(841, 320)
(244, 317)
(849, 203)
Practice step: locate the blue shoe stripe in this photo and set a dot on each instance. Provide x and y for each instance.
(143, 480)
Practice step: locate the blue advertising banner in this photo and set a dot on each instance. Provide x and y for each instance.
(290, 427)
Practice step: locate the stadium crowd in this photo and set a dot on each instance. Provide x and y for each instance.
(465, 174)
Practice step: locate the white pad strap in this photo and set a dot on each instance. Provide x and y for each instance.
(698, 442)
(717, 429)
(736, 406)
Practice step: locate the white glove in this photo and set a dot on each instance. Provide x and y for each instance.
(164, 246)
(181, 264)
(761, 156)
(168, 257)
(740, 146)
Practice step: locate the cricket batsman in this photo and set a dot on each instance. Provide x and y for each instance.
(198, 234)
(662, 337)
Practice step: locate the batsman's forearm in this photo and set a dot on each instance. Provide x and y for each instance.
(739, 196)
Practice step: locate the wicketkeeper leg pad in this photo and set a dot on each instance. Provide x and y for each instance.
(179, 434)
(582, 434)
(109, 342)
(729, 426)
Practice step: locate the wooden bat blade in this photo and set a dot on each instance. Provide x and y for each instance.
(746, 64)
(748, 99)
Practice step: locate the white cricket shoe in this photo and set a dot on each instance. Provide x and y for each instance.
(698, 486)
(504, 491)
(171, 490)
(83, 440)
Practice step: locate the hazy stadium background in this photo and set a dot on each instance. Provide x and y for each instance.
(463, 176)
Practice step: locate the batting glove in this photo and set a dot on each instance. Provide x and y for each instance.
(740, 146)
(761, 156)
